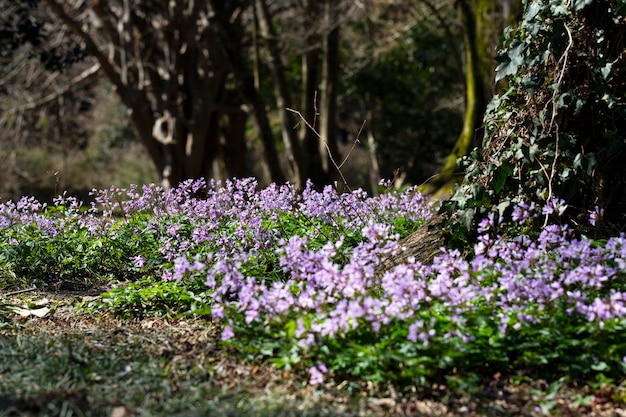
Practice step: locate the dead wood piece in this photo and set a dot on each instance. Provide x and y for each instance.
(422, 245)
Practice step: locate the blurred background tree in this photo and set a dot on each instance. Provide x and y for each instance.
(60, 125)
(172, 90)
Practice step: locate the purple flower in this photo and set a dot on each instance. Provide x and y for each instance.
(413, 329)
(317, 373)
(139, 261)
(596, 215)
(227, 333)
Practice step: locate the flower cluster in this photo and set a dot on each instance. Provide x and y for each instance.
(304, 266)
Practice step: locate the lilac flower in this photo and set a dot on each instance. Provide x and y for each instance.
(385, 183)
(139, 261)
(317, 373)
(227, 333)
(181, 266)
(596, 215)
(217, 311)
(277, 256)
(413, 329)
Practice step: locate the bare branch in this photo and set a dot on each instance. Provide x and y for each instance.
(92, 48)
(80, 78)
(330, 153)
(358, 136)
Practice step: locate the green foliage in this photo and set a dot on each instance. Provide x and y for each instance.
(554, 344)
(150, 296)
(557, 131)
(73, 256)
(458, 343)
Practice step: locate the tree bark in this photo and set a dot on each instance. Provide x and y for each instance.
(422, 245)
(475, 100)
(312, 160)
(283, 98)
(329, 84)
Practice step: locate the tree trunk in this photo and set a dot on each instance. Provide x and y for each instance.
(422, 245)
(235, 149)
(283, 98)
(312, 160)
(374, 175)
(245, 78)
(329, 83)
(475, 100)
(256, 101)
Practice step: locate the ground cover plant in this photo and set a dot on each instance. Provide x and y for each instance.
(290, 280)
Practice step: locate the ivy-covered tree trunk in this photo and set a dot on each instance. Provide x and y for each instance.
(559, 131)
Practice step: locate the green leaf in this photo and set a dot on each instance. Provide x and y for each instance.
(527, 153)
(500, 176)
(586, 163)
(580, 4)
(503, 206)
(533, 9)
(511, 61)
(600, 366)
(606, 70)
(560, 9)
(466, 217)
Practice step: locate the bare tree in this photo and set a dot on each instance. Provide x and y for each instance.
(43, 78)
(169, 68)
(329, 85)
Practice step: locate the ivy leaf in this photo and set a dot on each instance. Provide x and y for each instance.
(581, 4)
(586, 163)
(510, 61)
(579, 105)
(527, 153)
(503, 206)
(500, 175)
(606, 70)
(466, 218)
(532, 11)
(560, 9)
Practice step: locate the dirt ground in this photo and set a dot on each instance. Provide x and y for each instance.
(191, 343)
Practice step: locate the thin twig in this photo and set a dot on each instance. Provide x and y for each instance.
(353, 144)
(554, 110)
(20, 291)
(304, 121)
(330, 154)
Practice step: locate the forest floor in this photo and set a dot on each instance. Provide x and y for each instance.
(75, 363)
